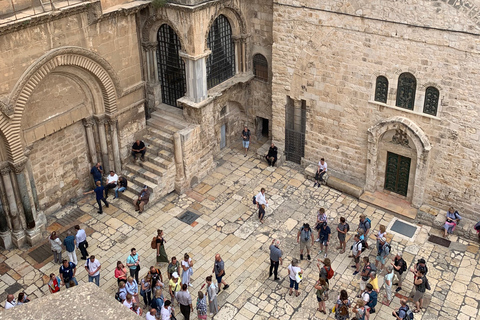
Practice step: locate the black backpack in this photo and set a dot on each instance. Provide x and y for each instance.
(117, 296)
(404, 265)
(254, 200)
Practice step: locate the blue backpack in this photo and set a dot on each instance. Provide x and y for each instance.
(369, 222)
(373, 299)
(408, 313)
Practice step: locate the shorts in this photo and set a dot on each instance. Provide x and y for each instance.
(219, 279)
(356, 259)
(246, 144)
(319, 299)
(325, 243)
(341, 237)
(379, 258)
(293, 283)
(307, 244)
(418, 295)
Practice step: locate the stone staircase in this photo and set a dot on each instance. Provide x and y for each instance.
(158, 169)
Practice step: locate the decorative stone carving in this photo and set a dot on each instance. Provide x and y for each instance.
(6, 107)
(400, 137)
(88, 122)
(19, 165)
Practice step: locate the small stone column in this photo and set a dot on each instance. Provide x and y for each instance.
(5, 235)
(180, 170)
(103, 142)
(18, 237)
(196, 75)
(88, 124)
(150, 49)
(116, 150)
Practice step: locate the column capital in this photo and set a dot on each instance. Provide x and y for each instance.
(19, 165)
(100, 119)
(187, 56)
(88, 122)
(149, 46)
(4, 168)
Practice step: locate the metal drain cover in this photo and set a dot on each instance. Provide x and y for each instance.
(440, 241)
(403, 228)
(188, 217)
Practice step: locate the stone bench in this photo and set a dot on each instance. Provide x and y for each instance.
(464, 229)
(263, 150)
(334, 182)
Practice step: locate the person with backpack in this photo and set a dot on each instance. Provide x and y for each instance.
(420, 282)
(342, 306)
(121, 294)
(321, 218)
(404, 312)
(322, 294)
(356, 251)
(365, 274)
(324, 236)
(477, 229)
(326, 272)
(382, 254)
(261, 203)
(399, 267)
(342, 230)
(365, 225)
(453, 218)
(361, 312)
(305, 239)
(370, 297)
(158, 243)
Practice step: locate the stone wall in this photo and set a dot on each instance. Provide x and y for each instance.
(337, 80)
(60, 166)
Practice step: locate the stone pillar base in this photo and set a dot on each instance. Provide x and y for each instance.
(18, 238)
(34, 236)
(6, 240)
(180, 186)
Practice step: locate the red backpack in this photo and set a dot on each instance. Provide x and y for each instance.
(330, 272)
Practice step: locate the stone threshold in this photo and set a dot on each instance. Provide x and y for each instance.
(390, 203)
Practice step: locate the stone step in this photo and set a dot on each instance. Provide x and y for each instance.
(128, 195)
(159, 143)
(139, 171)
(165, 108)
(160, 134)
(174, 121)
(161, 124)
(153, 168)
(160, 160)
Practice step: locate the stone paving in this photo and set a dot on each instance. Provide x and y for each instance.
(228, 225)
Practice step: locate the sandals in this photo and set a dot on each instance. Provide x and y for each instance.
(297, 294)
(290, 293)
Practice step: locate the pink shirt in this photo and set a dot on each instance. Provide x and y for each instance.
(121, 274)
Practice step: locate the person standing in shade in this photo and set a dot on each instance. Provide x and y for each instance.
(212, 296)
(321, 170)
(56, 246)
(219, 270)
(69, 242)
(121, 186)
(185, 300)
(82, 244)
(133, 262)
(99, 190)
(138, 147)
(246, 139)
(275, 258)
(93, 268)
(97, 172)
(142, 199)
(112, 180)
(271, 156)
(161, 253)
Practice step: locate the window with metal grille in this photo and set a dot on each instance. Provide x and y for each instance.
(221, 62)
(407, 85)
(171, 68)
(430, 105)
(260, 67)
(381, 89)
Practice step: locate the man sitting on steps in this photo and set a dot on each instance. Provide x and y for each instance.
(142, 199)
(139, 147)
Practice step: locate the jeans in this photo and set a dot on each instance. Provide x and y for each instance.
(95, 279)
(134, 153)
(108, 187)
(67, 282)
(83, 250)
(121, 189)
(134, 273)
(293, 283)
(147, 297)
(185, 310)
(274, 268)
(99, 201)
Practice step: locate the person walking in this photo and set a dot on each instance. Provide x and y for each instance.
(70, 243)
(161, 253)
(342, 306)
(187, 269)
(99, 194)
(219, 270)
(212, 296)
(275, 258)
(322, 288)
(382, 254)
(388, 280)
(81, 240)
(246, 139)
(399, 267)
(201, 306)
(262, 203)
(294, 271)
(120, 272)
(305, 239)
(56, 246)
(342, 230)
(133, 262)
(93, 268)
(185, 300)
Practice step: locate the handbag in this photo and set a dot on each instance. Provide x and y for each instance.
(298, 277)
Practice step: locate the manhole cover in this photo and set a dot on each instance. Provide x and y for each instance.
(440, 241)
(188, 217)
(404, 228)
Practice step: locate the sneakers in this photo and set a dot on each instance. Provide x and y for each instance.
(301, 257)
(100, 212)
(225, 287)
(315, 184)
(325, 255)
(354, 266)
(398, 289)
(190, 285)
(355, 273)
(308, 257)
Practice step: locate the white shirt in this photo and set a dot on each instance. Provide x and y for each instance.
(293, 271)
(357, 247)
(150, 317)
(92, 266)
(9, 305)
(365, 297)
(260, 198)
(80, 236)
(165, 313)
(128, 304)
(111, 178)
(322, 166)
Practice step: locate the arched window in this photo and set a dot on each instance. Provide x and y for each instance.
(260, 67)
(171, 68)
(381, 89)
(221, 62)
(407, 85)
(430, 106)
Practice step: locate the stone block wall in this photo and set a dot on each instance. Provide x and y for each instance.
(337, 80)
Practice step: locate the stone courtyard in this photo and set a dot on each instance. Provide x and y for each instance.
(228, 224)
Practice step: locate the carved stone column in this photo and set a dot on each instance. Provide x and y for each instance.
(88, 124)
(180, 170)
(116, 150)
(150, 49)
(196, 75)
(103, 142)
(18, 234)
(5, 235)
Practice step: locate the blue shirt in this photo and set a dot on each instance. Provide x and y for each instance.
(324, 232)
(131, 260)
(99, 192)
(97, 175)
(67, 272)
(69, 243)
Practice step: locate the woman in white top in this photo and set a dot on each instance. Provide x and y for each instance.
(128, 301)
(56, 245)
(262, 203)
(382, 233)
(187, 265)
(293, 270)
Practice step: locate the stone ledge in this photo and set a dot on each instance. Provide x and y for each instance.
(263, 150)
(335, 183)
(86, 301)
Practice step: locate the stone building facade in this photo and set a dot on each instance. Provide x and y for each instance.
(386, 91)
(81, 82)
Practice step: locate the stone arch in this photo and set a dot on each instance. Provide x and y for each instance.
(153, 23)
(234, 17)
(76, 57)
(422, 147)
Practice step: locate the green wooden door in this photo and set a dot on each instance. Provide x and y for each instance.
(396, 173)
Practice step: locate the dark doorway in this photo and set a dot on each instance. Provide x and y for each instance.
(397, 173)
(262, 128)
(295, 124)
(265, 127)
